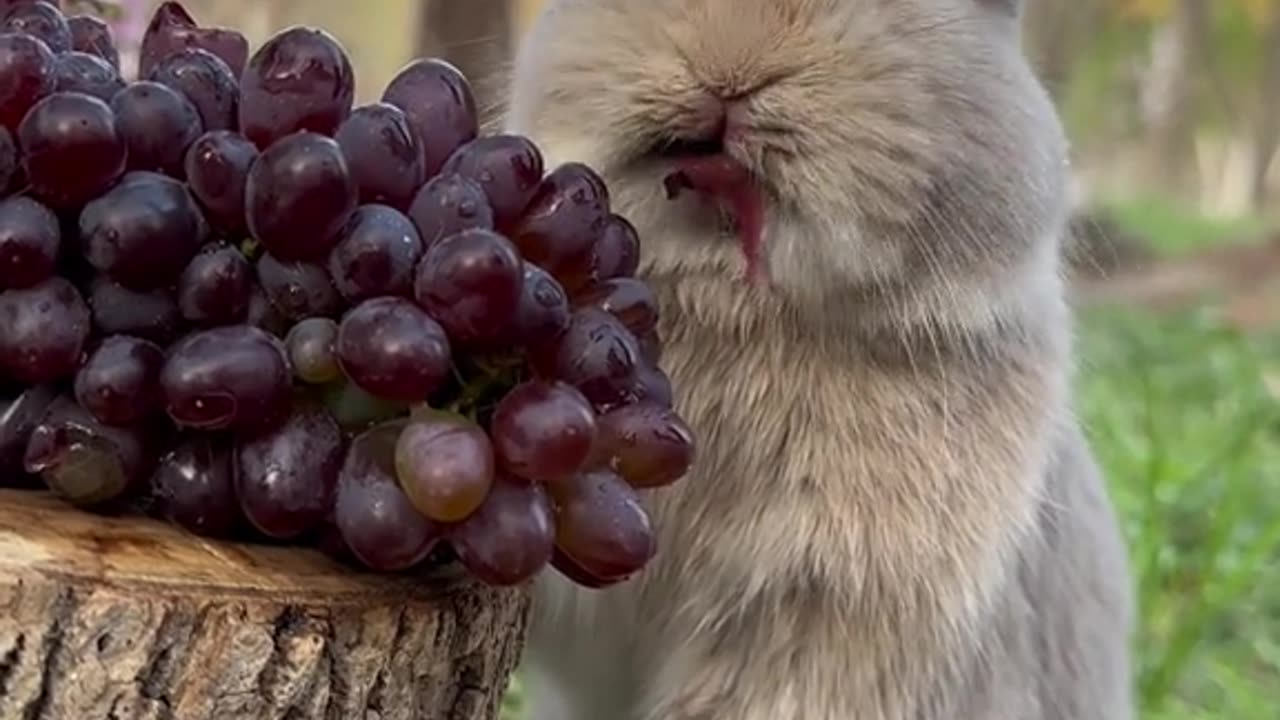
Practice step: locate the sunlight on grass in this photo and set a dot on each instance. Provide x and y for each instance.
(1173, 229)
(1190, 439)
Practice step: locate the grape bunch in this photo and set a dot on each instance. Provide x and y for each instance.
(233, 299)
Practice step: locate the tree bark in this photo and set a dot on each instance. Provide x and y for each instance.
(476, 36)
(126, 618)
(1267, 134)
(1053, 34)
(1169, 96)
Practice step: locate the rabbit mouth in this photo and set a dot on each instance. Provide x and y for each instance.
(730, 184)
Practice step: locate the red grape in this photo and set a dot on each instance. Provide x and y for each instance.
(30, 239)
(285, 477)
(300, 79)
(543, 309)
(440, 106)
(384, 154)
(617, 252)
(298, 290)
(206, 81)
(543, 431)
(510, 538)
(393, 350)
(144, 231)
(445, 465)
(566, 218)
(120, 381)
(602, 527)
(311, 344)
(172, 29)
(651, 347)
(264, 315)
(158, 124)
(567, 567)
(217, 168)
(329, 540)
(652, 386)
(43, 330)
(597, 355)
(132, 177)
(84, 462)
(216, 287)
(41, 20)
(631, 301)
(508, 168)
(376, 254)
(298, 196)
(117, 310)
(88, 74)
(26, 76)
(19, 416)
(470, 283)
(647, 444)
(10, 166)
(72, 148)
(378, 523)
(447, 205)
(234, 377)
(92, 35)
(194, 486)
(366, 329)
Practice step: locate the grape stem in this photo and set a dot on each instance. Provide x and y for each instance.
(496, 374)
(249, 247)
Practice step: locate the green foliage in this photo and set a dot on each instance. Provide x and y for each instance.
(1173, 228)
(1100, 100)
(1235, 42)
(1189, 436)
(1181, 418)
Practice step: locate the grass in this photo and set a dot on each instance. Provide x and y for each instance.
(1176, 229)
(1189, 434)
(1181, 417)
(1184, 415)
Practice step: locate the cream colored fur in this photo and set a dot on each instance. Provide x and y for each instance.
(894, 514)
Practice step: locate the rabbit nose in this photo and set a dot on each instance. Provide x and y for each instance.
(710, 118)
(697, 130)
(705, 126)
(720, 118)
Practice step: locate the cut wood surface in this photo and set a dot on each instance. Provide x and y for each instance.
(117, 618)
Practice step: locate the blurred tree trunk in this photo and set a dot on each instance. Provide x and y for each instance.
(476, 36)
(1168, 98)
(526, 11)
(1054, 34)
(1267, 135)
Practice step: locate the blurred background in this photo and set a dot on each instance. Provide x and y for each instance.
(1174, 111)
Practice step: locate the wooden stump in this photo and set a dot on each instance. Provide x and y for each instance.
(129, 618)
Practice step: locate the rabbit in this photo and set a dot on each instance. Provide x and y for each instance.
(894, 513)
